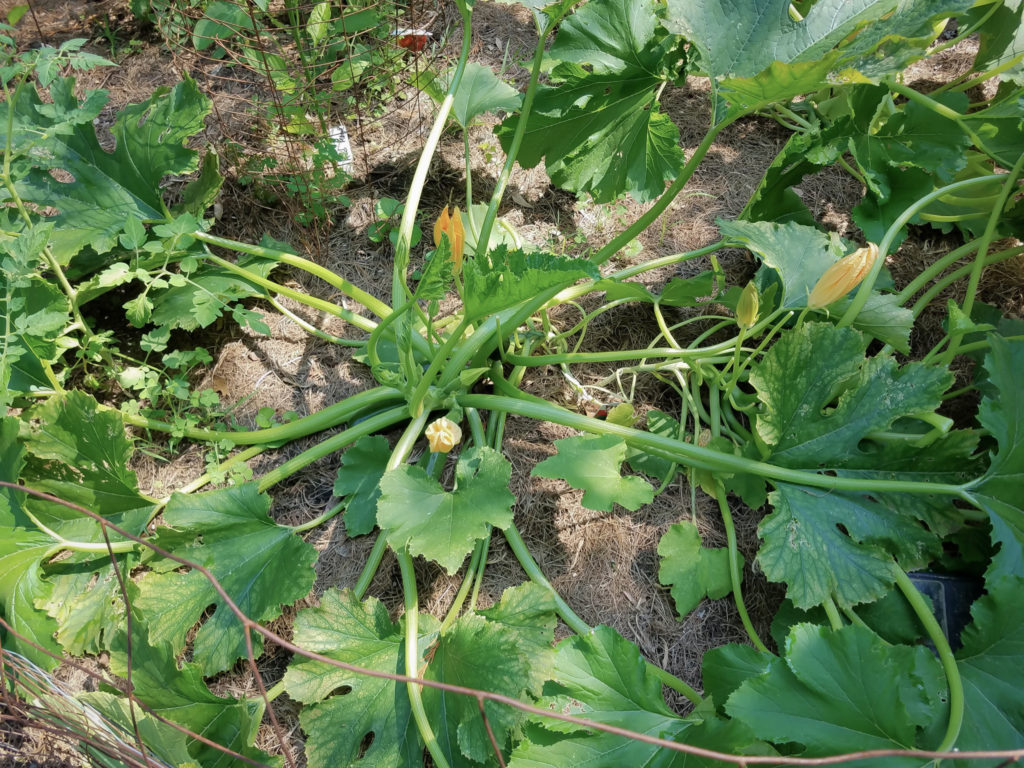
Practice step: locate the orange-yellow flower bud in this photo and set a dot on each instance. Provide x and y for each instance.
(842, 277)
(747, 307)
(443, 435)
(452, 227)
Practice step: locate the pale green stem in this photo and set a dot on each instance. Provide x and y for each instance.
(319, 519)
(412, 202)
(354, 292)
(979, 259)
(312, 329)
(569, 616)
(696, 456)
(517, 140)
(207, 477)
(467, 582)
(834, 619)
(412, 659)
(734, 568)
(401, 452)
(940, 285)
(663, 202)
(331, 416)
(941, 109)
(334, 443)
(946, 658)
(866, 287)
(349, 317)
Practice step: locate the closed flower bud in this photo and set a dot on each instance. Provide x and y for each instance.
(842, 277)
(453, 227)
(747, 307)
(443, 435)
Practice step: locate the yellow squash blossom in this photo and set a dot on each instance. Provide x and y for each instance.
(451, 226)
(842, 277)
(747, 307)
(443, 435)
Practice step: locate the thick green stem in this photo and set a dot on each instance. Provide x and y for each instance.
(979, 260)
(948, 661)
(467, 583)
(312, 329)
(419, 178)
(939, 286)
(319, 519)
(354, 292)
(868, 284)
(207, 477)
(834, 620)
(349, 317)
(334, 443)
(398, 456)
(694, 455)
(517, 140)
(946, 112)
(734, 568)
(329, 417)
(648, 218)
(412, 659)
(568, 615)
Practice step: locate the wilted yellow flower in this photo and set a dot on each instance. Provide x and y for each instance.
(747, 307)
(443, 435)
(451, 226)
(842, 277)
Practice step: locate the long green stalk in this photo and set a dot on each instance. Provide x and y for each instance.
(569, 616)
(698, 457)
(974, 280)
(329, 417)
(334, 443)
(868, 284)
(734, 568)
(354, 292)
(412, 658)
(946, 658)
(517, 139)
(348, 316)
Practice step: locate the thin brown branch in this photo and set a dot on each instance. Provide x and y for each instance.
(490, 733)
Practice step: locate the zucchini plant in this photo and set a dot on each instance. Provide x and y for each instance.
(799, 399)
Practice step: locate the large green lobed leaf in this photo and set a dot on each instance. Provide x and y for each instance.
(418, 513)
(599, 129)
(261, 566)
(342, 709)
